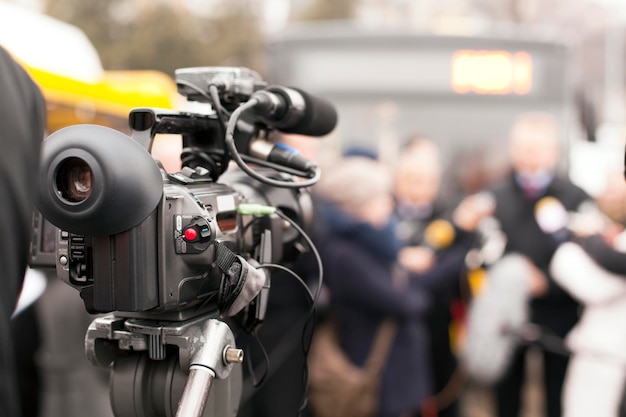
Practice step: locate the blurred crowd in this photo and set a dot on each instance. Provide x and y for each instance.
(530, 261)
(462, 287)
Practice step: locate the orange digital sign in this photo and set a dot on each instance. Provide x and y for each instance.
(491, 72)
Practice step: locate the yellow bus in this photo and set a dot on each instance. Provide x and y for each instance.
(67, 67)
(106, 102)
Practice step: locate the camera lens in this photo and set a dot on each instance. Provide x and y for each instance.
(73, 180)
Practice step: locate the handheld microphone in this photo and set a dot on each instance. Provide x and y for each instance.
(439, 234)
(555, 220)
(495, 319)
(551, 215)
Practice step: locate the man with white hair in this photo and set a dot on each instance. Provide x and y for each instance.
(534, 157)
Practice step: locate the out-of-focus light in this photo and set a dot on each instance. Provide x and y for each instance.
(491, 72)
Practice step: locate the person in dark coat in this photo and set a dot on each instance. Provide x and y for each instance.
(22, 124)
(436, 239)
(359, 252)
(534, 157)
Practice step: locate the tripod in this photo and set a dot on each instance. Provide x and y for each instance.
(182, 369)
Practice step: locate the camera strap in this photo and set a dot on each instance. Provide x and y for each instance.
(224, 257)
(240, 281)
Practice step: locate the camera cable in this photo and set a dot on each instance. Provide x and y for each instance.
(308, 327)
(236, 156)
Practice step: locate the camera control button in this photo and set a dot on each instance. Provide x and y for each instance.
(190, 234)
(205, 231)
(63, 260)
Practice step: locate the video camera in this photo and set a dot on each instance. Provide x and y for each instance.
(179, 258)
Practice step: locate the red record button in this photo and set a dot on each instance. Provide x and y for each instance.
(190, 234)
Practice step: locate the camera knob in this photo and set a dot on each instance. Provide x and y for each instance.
(233, 355)
(198, 230)
(190, 234)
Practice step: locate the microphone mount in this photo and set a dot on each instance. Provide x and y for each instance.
(247, 109)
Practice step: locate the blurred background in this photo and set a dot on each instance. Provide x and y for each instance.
(457, 71)
(394, 68)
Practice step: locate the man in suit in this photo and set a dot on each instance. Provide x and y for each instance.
(534, 154)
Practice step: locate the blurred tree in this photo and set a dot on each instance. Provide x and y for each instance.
(330, 10)
(132, 34)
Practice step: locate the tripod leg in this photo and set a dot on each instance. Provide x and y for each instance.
(196, 392)
(213, 358)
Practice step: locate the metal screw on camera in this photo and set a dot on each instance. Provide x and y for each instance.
(233, 355)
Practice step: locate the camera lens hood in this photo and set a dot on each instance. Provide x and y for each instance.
(121, 183)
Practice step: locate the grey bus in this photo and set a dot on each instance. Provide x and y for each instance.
(461, 91)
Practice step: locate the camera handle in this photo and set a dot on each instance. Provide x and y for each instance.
(147, 381)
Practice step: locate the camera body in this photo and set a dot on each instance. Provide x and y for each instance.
(143, 243)
(162, 265)
(179, 258)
